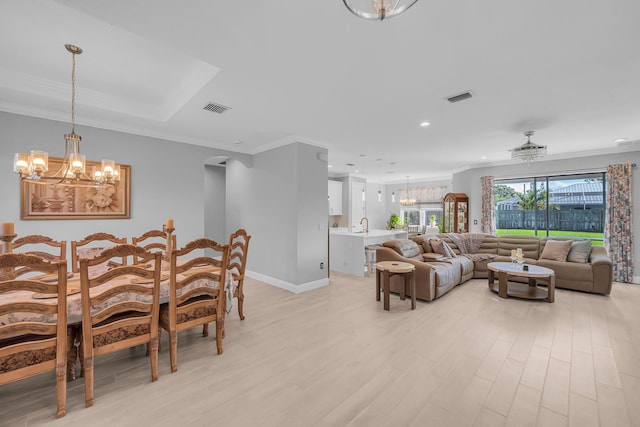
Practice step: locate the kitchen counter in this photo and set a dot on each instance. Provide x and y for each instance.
(370, 233)
(346, 248)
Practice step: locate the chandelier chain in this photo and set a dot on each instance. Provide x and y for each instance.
(73, 93)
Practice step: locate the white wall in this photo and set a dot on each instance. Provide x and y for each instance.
(215, 203)
(469, 182)
(282, 202)
(377, 211)
(166, 179)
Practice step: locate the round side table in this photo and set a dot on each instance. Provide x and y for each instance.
(385, 270)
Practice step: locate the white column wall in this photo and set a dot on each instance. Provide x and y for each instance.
(282, 202)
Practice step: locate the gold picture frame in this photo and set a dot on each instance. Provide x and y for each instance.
(52, 201)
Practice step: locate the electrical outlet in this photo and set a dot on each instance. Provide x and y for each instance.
(475, 222)
(322, 266)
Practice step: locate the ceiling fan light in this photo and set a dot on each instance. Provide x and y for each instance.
(529, 151)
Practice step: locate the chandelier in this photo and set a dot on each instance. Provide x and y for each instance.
(34, 167)
(378, 9)
(407, 201)
(529, 151)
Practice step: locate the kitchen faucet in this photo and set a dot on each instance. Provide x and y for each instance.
(366, 228)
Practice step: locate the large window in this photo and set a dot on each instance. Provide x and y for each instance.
(421, 214)
(561, 205)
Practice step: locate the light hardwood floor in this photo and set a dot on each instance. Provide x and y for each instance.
(334, 357)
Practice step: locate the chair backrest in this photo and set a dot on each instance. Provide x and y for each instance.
(42, 246)
(238, 249)
(130, 299)
(91, 240)
(190, 279)
(153, 240)
(33, 327)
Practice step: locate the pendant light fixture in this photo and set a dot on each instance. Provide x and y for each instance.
(407, 201)
(34, 167)
(378, 9)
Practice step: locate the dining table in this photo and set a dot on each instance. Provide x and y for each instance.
(74, 303)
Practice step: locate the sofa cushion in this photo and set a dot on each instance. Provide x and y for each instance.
(489, 245)
(405, 247)
(441, 247)
(466, 265)
(577, 275)
(580, 251)
(530, 245)
(447, 275)
(431, 256)
(556, 250)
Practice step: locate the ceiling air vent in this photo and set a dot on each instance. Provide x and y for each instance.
(460, 97)
(216, 108)
(629, 143)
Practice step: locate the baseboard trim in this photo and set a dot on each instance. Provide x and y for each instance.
(296, 289)
(636, 279)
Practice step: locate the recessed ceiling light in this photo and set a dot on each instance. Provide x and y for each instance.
(356, 171)
(238, 142)
(425, 124)
(329, 166)
(619, 140)
(483, 157)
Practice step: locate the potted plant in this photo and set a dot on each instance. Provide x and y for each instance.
(393, 222)
(432, 220)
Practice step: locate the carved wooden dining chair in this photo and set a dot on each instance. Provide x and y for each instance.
(153, 240)
(121, 314)
(42, 246)
(196, 294)
(238, 249)
(29, 347)
(90, 242)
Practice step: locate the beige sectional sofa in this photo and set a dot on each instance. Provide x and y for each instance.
(436, 274)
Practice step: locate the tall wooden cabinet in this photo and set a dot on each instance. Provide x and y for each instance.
(455, 213)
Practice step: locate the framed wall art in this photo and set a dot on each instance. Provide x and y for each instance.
(53, 201)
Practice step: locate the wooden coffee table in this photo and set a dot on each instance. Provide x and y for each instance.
(505, 288)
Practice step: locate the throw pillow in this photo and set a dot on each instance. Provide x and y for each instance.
(431, 256)
(448, 250)
(426, 243)
(580, 251)
(441, 247)
(556, 250)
